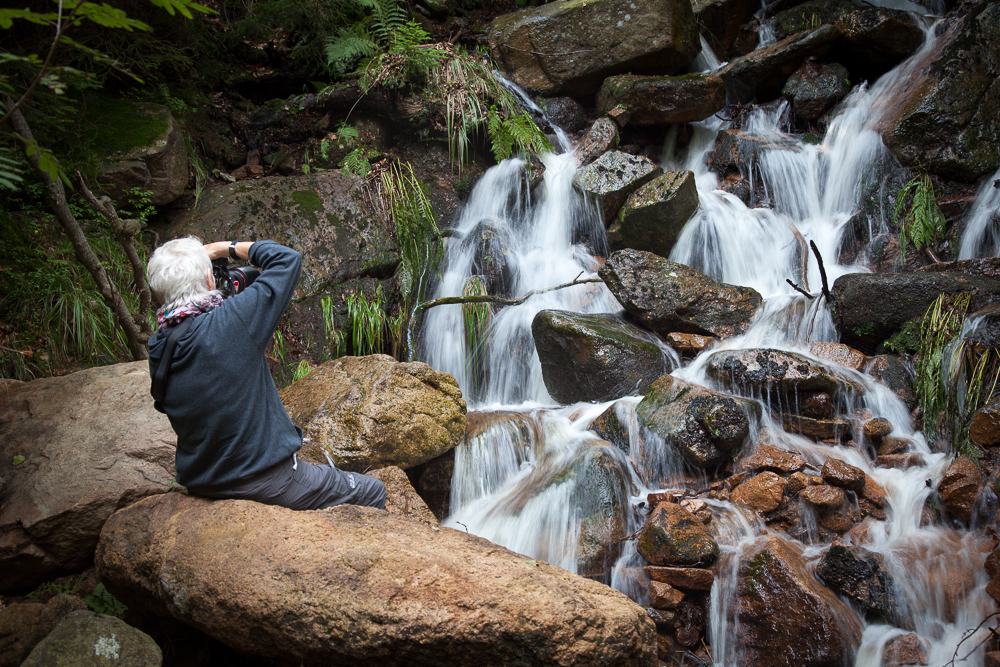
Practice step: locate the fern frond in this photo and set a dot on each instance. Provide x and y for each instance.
(348, 47)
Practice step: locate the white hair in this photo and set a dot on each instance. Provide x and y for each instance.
(178, 270)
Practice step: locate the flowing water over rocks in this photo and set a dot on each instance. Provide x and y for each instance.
(792, 491)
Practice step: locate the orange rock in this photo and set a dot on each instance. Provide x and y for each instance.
(761, 493)
(664, 596)
(876, 429)
(685, 578)
(683, 342)
(905, 650)
(874, 492)
(901, 461)
(893, 445)
(823, 496)
(992, 564)
(769, 457)
(838, 353)
(960, 486)
(985, 427)
(840, 473)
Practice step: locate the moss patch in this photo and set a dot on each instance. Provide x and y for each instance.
(906, 340)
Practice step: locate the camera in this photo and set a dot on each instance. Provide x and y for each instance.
(232, 281)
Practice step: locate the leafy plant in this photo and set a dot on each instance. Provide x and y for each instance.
(358, 161)
(301, 370)
(334, 337)
(476, 322)
(924, 223)
(368, 322)
(365, 38)
(99, 601)
(279, 348)
(406, 60)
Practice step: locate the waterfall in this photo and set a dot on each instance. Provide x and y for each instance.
(982, 231)
(535, 478)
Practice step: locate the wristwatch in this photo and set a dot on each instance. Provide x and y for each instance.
(232, 251)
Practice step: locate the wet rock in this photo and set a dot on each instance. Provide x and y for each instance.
(392, 580)
(868, 308)
(762, 73)
(985, 427)
(688, 343)
(663, 100)
(736, 150)
(91, 442)
(874, 493)
(893, 373)
(893, 445)
(905, 650)
(654, 215)
(786, 617)
(685, 578)
(840, 519)
(491, 242)
(664, 619)
(665, 296)
(992, 564)
(876, 429)
(323, 216)
(798, 481)
(809, 15)
(432, 482)
(371, 412)
(838, 353)
(690, 625)
(95, 640)
(765, 371)
(943, 115)
(564, 112)
(960, 486)
(595, 357)
(987, 267)
(882, 37)
(816, 405)
(708, 428)
(815, 88)
(761, 493)
(769, 457)
(676, 538)
(900, 461)
(664, 596)
(842, 474)
(23, 625)
(720, 22)
(606, 37)
(823, 496)
(160, 167)
(603, 501)
(400, 496)
(860, 575)
(611, 178)
(818, 429)
(600, 138)
(608, 427)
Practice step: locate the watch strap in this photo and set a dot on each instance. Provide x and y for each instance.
(232, 251)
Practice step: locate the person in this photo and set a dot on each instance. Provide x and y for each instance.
(234, 436)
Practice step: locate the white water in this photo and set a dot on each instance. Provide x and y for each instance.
(522, 479)
(982, 231)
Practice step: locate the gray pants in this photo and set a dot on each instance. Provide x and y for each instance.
(301, 486)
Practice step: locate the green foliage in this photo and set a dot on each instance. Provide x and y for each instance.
(476, 322)
(407, 60)
(368, 322)
(923, 224)
(99, 601)
(333, 336)
(367, 37)
(422, 247)
(906, 340)
(301, 370)
(358, 161)
(951, 374)
(514, 133)
(279, 348)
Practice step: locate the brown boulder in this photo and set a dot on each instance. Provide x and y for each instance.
(675, 537)
(371, 412)
(786, 617)
(843, 474)
(876, 429)
(767, 371)
(685, 578)
(91, 443)
(663, 100)
(893, 445)
(23, 625)
(159, 167)
(688, 343)
(600, 138)
(838, 353)
(960, 486)
(818, 429)
(761, 493)
(900, 461)
(769, 457)
(358, 585)
(985, 427)
(874, 493)
(432, 481)
(799, 480)
(400, 496)
(992, 564)
(664, 596)
(823, 496)
(905, 650)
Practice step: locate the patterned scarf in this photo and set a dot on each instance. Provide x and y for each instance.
(168, 318)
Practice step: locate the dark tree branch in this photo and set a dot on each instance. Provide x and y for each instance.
(449, 300)
(822, 271)
(799, 289)
(56, 195)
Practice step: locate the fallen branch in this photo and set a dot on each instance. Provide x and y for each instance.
(488, 298)
(799, 289)
(822, 271)
(968, 634)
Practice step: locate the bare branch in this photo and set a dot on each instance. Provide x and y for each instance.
(799, 289)
(822, 271)
(450, 300)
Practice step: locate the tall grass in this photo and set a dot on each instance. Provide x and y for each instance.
(369, 323)
(476, 322)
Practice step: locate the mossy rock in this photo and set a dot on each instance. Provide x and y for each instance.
(674, 537)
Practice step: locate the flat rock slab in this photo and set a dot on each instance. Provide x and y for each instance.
(764, 371)
(668, 297)
(654, 215)
(86, 639)
(569, 47)
(612, 177)
(91, 442)
(663, 100)
(353, 585)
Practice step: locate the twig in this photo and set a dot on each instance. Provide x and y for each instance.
(463, 525)
(822, 271)
(551, 55)
(799, 289)
(450, 300)
(932, 255)
(967, 635)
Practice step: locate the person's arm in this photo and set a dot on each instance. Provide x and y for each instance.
(261, 305)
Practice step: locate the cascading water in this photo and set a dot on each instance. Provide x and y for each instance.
(982, 231)
(537, 479)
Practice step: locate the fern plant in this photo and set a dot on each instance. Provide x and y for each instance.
(368, 37)
(923, 224)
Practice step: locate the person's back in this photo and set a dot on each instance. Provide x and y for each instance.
(234, 437)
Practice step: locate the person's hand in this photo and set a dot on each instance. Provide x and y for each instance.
(220, 249)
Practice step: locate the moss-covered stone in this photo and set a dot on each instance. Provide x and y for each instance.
(810, 14)
(677, 538)
(655, 214)
(612, 178)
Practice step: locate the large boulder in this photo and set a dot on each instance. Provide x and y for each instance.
(323, 216)
(860, 575)
(602, 498)
(786, 617)
(371, 412)
(159, 166)
(762, 73)
(809, 14)
(400, 496)
(86, 639)
(361, 586)
(814, 88)
(569, 47)
(945, 114)
(721, 20)
(764, 372)
(706, 427)
(655, 214)
(596, 357)
(23, 625)
(663, 100)
(74, 449)
(960, 486)
(611, 178)
(869, 308)
(985, 427)
(882, 37)
(675, 537)
(665, 296)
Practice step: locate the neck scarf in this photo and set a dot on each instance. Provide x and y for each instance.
(178, 311)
